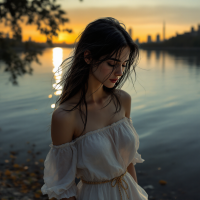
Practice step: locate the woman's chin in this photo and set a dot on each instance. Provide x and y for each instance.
(110, 85)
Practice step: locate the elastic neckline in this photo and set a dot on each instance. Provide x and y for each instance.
(91, 132)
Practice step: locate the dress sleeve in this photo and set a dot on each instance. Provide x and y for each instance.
(137, 157)
(60, 172)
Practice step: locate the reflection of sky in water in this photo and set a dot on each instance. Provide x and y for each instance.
(167, 92)
(165, 102)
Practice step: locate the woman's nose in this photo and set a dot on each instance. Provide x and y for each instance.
(119, 70)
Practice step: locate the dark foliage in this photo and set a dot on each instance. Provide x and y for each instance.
(45, 14)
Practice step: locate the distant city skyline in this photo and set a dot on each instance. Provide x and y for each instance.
(193, 31)
(142, 20)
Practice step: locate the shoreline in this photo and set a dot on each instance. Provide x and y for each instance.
(170, 171)
(161, 175)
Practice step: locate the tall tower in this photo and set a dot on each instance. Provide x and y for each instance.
(149, 39)
(164, 31)
(157, 38)
(130, 32)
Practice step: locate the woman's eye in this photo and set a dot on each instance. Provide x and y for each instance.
(114, 65)
(111, 65)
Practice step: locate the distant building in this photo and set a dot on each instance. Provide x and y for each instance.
(130, 32)
(164, 31)
(192, 29)
(192, 32)
(198, 29)
(157, 38)
(29, 39)
(149, 39)
(137, 41)
(7, 36)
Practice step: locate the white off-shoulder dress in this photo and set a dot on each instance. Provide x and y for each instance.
(98, 155)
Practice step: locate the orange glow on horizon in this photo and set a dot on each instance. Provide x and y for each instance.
(139, 31)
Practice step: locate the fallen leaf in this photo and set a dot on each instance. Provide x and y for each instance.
(13, 152)
(41, 160)
(23, 186)
(16, 183)
(16, 166)
(13, 178)
(38, 185)
(17, 172)
(24, 191)
(32, 174)
(39, 191)
(11, 156)
(25, 167)
(7, 172)
(36, 195)
(162, 182)
(3, 184)
(33, 187)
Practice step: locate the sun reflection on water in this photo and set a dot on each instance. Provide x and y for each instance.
(57, 70)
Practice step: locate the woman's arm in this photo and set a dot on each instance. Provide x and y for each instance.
(62, 129)
(131, 170)
(126, 100)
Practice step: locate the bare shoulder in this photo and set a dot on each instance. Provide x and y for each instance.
(62, 125)
(124, 96)
(125, 99)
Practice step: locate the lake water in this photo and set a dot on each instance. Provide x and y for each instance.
(165, 101)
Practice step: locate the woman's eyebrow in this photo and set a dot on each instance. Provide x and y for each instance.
(117, 60)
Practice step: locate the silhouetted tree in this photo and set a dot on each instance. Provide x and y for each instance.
(45, 14)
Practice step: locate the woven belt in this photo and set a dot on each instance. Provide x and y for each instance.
(115, 181)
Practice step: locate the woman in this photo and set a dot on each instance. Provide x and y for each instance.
(92, 132)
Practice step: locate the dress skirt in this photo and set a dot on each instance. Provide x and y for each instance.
(105, 191)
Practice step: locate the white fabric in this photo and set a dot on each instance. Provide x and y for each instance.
(98, 155)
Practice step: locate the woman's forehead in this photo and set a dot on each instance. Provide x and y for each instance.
(121, 56)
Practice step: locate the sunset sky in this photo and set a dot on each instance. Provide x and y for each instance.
(145, 17)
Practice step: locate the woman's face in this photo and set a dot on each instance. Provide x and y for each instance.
(104, 73)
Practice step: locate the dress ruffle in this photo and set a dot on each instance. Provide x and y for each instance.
(60, 169)
(137, 159)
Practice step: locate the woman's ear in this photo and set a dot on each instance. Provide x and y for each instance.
(87, 56)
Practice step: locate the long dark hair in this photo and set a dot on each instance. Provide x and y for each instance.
(103, 37)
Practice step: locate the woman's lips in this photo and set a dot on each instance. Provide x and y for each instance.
(113, 80)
